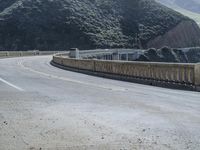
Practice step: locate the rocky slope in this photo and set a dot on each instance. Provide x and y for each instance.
(88, 24)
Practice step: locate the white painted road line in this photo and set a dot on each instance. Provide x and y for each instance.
(108, 87)
(12, 85)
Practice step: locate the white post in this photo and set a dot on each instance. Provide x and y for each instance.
(77, 53)
(127, 56)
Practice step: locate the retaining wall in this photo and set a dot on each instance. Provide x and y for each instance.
(161, 74)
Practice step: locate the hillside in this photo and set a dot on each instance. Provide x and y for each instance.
(190, 5)
(87, 24)
(190, 8)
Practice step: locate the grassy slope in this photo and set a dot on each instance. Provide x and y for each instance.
(190, 14)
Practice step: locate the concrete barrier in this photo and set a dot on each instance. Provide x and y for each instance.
(197, 76)
(5, 54)
(175, 75)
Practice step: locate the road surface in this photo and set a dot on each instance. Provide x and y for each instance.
(46, 108)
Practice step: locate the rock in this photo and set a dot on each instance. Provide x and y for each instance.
(5, 122)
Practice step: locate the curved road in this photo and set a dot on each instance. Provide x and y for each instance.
(43, 107)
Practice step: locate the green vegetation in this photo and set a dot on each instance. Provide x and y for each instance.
(61, 24)
(190, 8)
(192, 15)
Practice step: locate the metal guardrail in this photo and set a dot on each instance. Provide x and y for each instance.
(105, 54)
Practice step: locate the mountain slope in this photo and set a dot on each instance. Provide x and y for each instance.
(190, 5)
(61, 24)
(190, 8)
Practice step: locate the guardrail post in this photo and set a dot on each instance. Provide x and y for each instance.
(74, 53)
(197, 76)
(127, 57)
(7, 54)
(115, 56)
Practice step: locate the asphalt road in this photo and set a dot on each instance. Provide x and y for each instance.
(46, 108)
